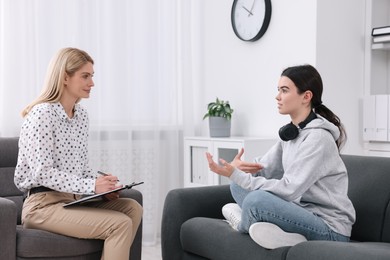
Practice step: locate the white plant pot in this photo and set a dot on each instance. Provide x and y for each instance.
(219, 126)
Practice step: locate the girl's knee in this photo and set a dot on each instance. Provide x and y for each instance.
(257, 198)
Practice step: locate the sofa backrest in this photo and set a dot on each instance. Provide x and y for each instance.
(369, 191)
(8, 160)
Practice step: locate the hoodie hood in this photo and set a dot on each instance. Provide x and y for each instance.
(322, 123)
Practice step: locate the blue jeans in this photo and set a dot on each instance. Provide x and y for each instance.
(263, 206)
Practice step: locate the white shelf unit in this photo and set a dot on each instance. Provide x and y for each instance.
(196, 170)
(377, 55)
(376, 101)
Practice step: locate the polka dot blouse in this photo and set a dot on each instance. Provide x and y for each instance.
(53, 151)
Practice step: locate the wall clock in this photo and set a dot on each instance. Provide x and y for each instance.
(250, 18)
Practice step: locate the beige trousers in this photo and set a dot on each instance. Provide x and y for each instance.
(115, 221)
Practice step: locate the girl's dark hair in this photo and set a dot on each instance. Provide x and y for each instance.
(306, 77)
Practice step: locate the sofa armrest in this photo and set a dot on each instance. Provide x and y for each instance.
(132, 194)
(186, 203)
(8, 219)
(136, 247)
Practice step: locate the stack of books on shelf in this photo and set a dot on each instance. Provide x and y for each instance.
(381, 34)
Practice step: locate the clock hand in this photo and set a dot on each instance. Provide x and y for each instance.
(253, 4)
(250, 13)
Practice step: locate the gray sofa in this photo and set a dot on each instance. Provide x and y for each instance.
(19, 243)
(192, 225)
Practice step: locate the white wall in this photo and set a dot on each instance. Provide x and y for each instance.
(246, 74)
(340, 58)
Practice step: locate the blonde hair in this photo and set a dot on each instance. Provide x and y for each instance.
(65, 63)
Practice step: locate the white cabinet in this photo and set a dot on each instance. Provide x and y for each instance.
(381, 112)
(376, 118)
(368, 118)
(196, 170)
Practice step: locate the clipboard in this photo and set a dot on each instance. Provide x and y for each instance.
(98, 197)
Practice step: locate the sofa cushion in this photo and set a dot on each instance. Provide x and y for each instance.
(52, 245)
(8, 160)
(189, 256)
(9, 152)
(9, 190)
(325, 250)
(369, 182)
(215, 239)
(7, 186)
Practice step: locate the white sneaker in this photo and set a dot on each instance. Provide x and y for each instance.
(271, 236)
(232, 214)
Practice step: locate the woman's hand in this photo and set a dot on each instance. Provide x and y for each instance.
(112, 196)
(105, 183)
(225, 170)
(245, 166)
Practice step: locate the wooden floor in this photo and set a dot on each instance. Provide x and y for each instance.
(151, 252)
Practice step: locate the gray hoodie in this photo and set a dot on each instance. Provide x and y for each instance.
(309, 172)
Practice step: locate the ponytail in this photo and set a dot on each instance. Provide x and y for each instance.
(325, 112)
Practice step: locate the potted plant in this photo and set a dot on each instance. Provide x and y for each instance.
(220, 115)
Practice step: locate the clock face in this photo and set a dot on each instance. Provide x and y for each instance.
(250, 18)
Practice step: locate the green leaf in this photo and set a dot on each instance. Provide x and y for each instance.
(219, 108)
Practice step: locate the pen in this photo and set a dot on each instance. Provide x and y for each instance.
(104, 174)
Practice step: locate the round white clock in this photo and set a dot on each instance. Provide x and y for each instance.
(250, 18)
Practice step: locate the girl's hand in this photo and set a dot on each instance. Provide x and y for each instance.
(245, 166)
(225, 170)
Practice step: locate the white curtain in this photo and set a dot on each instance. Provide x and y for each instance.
(136, 107)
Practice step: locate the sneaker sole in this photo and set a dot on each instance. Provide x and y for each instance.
(271, 236)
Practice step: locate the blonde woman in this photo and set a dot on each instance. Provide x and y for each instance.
(53, 163)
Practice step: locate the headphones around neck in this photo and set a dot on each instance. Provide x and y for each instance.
(291, 131)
